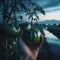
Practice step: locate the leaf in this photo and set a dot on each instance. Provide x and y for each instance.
(21, 17)
(30, 16)
(17, 9)
(38, 8)
(35, 19)
(29, 9)
(28, 13)
(22, 5)
(42, 11)
(33, 3)
(37, 16)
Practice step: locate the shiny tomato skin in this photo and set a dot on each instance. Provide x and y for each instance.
(31, 37)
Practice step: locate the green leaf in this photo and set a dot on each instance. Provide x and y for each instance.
(22, 5)
(42, 11)
(29, 9)
(17, 8)
(28, 13)
(35, 19)
(38, 8)
(37, 16)
(34, 4)
(30, 16)
(21, 17)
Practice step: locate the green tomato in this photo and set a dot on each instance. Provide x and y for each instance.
(10, 47)
(38, 33)
(13, 30)
(31, 36)
(14, 42)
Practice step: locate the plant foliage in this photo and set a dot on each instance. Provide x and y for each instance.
(9, 8)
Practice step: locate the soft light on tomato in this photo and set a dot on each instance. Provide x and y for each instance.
(31, 36)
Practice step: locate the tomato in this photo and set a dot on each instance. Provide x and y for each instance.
(31, 36)
(13, 30)
(25, 26)
(38, 33)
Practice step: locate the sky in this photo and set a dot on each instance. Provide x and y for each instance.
(52, 9)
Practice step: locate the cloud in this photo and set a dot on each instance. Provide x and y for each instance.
(49, 5)
(52, 4)
(51, 9)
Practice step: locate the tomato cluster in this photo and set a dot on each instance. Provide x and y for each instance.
(29, 35)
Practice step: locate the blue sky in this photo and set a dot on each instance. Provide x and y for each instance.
(52, 9)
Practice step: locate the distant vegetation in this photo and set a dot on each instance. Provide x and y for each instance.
(50, 22)
(53, 28)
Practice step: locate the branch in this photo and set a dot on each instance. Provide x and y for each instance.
(13, 7)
